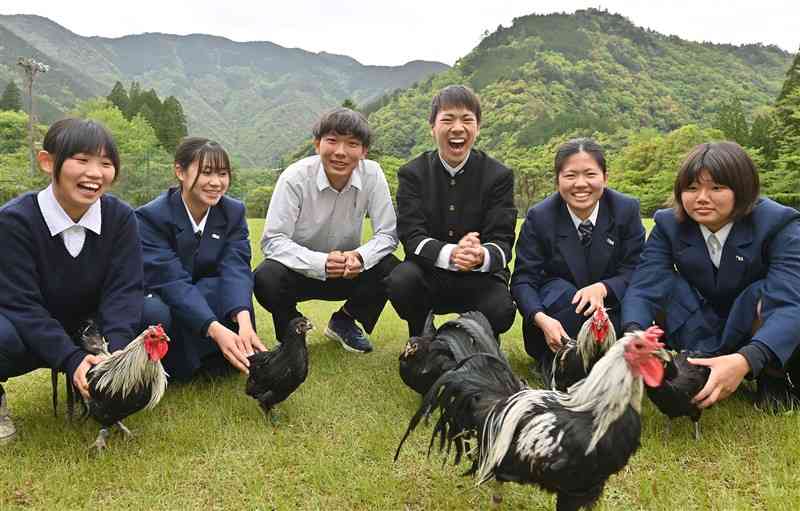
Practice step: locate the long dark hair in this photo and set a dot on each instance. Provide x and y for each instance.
(205, 152)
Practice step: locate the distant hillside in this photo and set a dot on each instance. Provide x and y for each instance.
(257, 98)
(585, 72)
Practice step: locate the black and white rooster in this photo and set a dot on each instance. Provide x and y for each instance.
(568, 444)
(576, 357)
(682, 381)
(425, 358)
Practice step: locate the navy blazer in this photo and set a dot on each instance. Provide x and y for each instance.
(174, 259)
(549, 248)
(765, 244)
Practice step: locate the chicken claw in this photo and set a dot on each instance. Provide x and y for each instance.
(99, 445)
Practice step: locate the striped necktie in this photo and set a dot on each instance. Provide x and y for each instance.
(585, 232)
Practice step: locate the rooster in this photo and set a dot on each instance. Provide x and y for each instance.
(427, 357)
(569, 444)
(127, 381)
(682, 381)
(89, 338)
(275, 374)
(575, 358)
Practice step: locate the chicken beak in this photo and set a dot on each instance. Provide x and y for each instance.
(663, 355)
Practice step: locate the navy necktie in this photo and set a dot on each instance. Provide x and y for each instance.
(585, 232)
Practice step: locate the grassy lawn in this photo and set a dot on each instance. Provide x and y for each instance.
(207, 446)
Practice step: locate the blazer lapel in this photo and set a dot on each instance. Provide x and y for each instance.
(692, 257)
(213, 237)
(603, 241)
(570, 247)
(185, 240)
(735, 260)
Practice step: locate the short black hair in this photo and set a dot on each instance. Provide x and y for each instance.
(727, 164)
(205, 152)
(344, 121)
(71, 136)
(579, 145)
(455, 96)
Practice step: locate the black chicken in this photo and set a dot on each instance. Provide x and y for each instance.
(427, 357)
(130, 380)
(566, 443)
(576, 357)
(682, 381)
(275, 374)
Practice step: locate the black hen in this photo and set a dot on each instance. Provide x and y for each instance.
(574, 360)
(569, 444)
(682, 381)
(427, 357)
(275, 374)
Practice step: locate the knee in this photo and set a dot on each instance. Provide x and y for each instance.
(268, 280)
(500, 311)
(155, 312)
(405, 282)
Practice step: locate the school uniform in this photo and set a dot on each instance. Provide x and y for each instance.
(437, 205)
(55, 274)
(553, 262)
(712, 309)
(194, 278)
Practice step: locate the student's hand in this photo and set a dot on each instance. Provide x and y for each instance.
(468, 254)
(590, 298)
(247, 334)
(79, 376)
(727, 372)
(552, 329)
(231, 346)
(335, 265)
(353, 265)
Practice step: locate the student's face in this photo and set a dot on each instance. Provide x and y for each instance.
(581, 183)
(708, 203)
(211, 185)
(82, 181)
(340, 155)
(455, 130)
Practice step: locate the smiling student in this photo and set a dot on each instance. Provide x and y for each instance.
(722, 267)
(312, 236)
(197, 266)
(577, 251)
(70, 252)
(456, 220)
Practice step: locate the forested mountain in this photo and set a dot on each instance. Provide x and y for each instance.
(257, 98)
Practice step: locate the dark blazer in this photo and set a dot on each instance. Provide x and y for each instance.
(434, 209)
(765, 244)
(549, 248)
(175, 260)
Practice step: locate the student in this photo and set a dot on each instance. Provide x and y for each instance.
(312, 236)
(70, 252)
(721, 270)
(456, 220)
(576, 251)
(197, 266)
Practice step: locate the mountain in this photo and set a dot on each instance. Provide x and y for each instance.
(258, 99)
(546, 76)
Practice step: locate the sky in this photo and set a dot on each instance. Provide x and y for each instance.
(379, 32)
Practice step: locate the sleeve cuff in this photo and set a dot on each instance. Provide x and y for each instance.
(72, 362)
(758, 356)
(443, 259)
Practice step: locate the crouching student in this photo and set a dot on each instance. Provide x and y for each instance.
(576, 252)
(197, 266)
(721, 271)
(312, 236)
(70, 252)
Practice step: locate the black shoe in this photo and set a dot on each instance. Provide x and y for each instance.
(776, 395)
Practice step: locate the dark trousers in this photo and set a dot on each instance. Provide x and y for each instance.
(415, 291)
(15, 358)
(279, 289)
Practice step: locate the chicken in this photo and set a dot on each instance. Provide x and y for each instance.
(569, 444)
(430, 355)
(275, 374)
(89, 338)
(575, 358)
(682, 381)
(130, 380)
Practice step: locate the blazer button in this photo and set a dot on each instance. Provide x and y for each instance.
(450, 233)
(452, 207)
(452, 182)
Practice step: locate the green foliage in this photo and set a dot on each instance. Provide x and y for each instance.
(257, 201)
(171, 125)
(349, 103)
(11, 100)
(732, 122)
(15, 176)
(119, 98)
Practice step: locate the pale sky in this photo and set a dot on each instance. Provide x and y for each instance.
(394, 32)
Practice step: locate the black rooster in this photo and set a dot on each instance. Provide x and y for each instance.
(576, 357)
(275, 374)
(566, 443)
(127, 381)
(427, 357)
(682, 381)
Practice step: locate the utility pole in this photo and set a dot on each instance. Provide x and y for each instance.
(31, 68)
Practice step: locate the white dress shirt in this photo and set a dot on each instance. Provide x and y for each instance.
(308, 218)
(443, 259)
(592, 217)
(196, 228)
(58, 221)
(715, 247)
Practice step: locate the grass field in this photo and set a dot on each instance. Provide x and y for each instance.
(207, 446)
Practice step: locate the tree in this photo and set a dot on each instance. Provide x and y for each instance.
(171, 126)
(349, 103)
(119, 98)
(11, 100)
(731, 121)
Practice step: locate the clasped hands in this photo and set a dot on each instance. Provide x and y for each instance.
(468, 254)
(345, 265)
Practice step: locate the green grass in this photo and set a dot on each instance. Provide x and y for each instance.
(207, 446)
